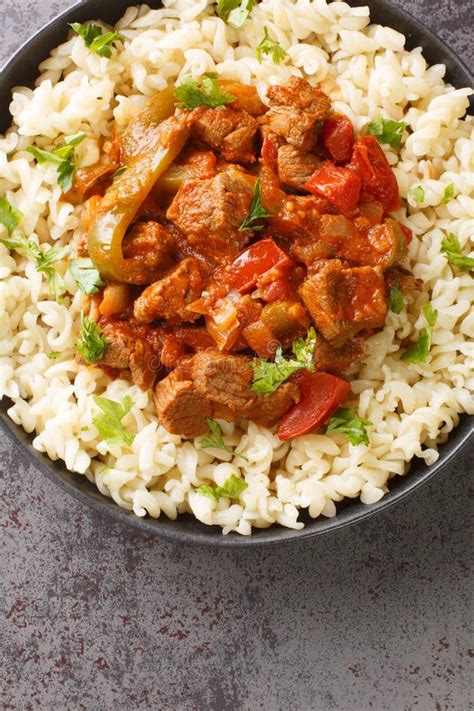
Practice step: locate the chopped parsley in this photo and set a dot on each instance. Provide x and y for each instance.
(448, 194)
(10, 217)
(417, 194)
(418, 352)
(396, 298)
(85, 275)
(257, 211)
(269, 375)
(52, 355)
(95, 38)
(387, 131)
(63, 157)
(235, 12)
(270, 47)
(92, 344)
(233, 488)
(451, 248)
(205, 91)
(355, 428)
(214, 438)
(44, 260)
(109, 421)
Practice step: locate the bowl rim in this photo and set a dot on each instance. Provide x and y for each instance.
(186, 529)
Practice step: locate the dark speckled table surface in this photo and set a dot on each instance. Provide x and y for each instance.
(97, 617)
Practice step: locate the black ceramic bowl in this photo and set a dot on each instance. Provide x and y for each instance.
(22, 69)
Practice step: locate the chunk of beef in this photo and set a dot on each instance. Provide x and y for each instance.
(337, 360)
(344, 301)
(226, 380)
(150, 247)
(297, 112)
(295, 168)
(211, 211)
(169, 297)
(230, 132)
(128, 351)
(180, 407)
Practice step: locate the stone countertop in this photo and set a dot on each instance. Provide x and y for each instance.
(98, 617)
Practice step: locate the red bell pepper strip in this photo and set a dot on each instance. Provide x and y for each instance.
(337, 135)
(378, 179)
(407, 232)
(339, 185)
(250, 264)
(320, 395)
(278, 290)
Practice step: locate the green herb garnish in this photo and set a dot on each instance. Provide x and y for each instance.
(269, 375)
(205, 91)
(234, 12)
(448, 194)
(257, 211)
(85, 275)
(44, 260)
(451, 248)
(387, 131)
(109, 421)
(92, 344)
(214, 439)
(63, 157)
(396, 298)
(10, 217)
(418, 194)
(268, 46)
(355, 428)
(419, 350)
(52, 355)
(95, 38)
(233, 488)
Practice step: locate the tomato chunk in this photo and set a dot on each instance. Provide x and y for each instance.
(321, 394)
(338, 137)
(277, 290)
(250, 264)
(407, 232)
(339, 185)
(378, 179)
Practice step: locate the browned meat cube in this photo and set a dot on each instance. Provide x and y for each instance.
(224, 379)
(169, 297)
(230, 132)
(211, 211)
(150, 246)
(126, 350)
(343, 301)
(296, 168)
(337, 360)
(297, 112)
(268, 409)
(179, 406)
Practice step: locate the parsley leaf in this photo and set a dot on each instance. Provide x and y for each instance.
(44, 260)
(95, 39)
(418, 352)
(109, 421)
(387, 131)
(268, 46)
(448, 194)
(52, 355)
(10, 217)
(85, 275)
(451, 248)
(92, 345)
(257, 211)
(233, 488)
(417, 194)
(234, 12)
(63, 157)
(205, 91)
(395, 297)
(214, 439)
(269, 375)
(345, 420)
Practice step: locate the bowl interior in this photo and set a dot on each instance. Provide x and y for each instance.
(22, 70)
